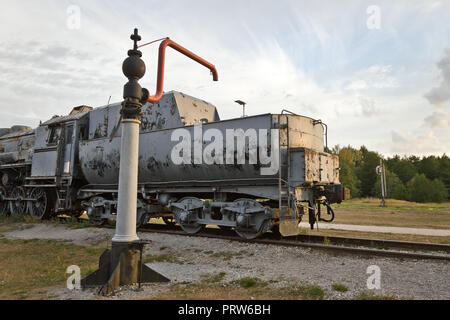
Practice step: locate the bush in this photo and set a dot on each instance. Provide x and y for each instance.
(349, 179)
(422, 189)
(440, 193)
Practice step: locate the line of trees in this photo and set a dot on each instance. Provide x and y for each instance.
(425, 179)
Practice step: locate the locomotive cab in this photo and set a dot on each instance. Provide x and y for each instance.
(55, 163)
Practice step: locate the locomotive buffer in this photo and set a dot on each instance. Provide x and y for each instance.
(123, 265)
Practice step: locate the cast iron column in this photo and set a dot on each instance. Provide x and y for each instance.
(134, 69)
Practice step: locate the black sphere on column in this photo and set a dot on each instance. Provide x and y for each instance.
(134, 69)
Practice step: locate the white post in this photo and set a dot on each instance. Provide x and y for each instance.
(128, 181)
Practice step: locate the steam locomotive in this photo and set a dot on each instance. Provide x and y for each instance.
(70, 165)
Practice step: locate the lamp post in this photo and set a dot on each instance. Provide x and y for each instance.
(242, 103)
(381, 171)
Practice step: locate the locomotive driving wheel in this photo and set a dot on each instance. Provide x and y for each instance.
(3, 203)
(186, 218)
(39, 207)
(18, 206)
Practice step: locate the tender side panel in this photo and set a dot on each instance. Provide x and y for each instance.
(100, 158)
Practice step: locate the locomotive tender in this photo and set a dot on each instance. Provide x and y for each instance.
(70, 164)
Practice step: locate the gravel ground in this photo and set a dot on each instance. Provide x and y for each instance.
(196, 257)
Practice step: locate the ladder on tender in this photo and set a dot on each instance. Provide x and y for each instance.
(284, 174)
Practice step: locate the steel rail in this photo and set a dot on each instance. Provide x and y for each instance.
(302, 241)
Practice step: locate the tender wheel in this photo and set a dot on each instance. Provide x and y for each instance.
(142, 220)
(183, 217)
(95, 212)
(40, 206)
(18, 206)
(142, 217)
(250, 233)
(4, 206)
(98, 222)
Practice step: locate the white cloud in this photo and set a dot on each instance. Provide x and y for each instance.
(441, 94)
(313, 58)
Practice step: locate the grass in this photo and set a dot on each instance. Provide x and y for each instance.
(70, 222)
(164, 257)
(242, 289)
(8, 219)
(368, 295)
(397, 213)
(248, 282)
(73, 223)
(310, 292)
(213, 278)
(339, 287)
(29, 268)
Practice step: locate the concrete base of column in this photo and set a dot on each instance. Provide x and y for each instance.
(121, 266)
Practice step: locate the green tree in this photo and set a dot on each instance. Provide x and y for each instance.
(440, 193)
(403, 168)
(444, 169)
(430, 167)
(422, 189)
(351, 155)
(348, 178)
(366, 171)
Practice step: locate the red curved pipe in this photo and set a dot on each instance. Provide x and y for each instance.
(161, 61)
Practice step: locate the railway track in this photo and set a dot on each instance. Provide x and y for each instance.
(335, 245)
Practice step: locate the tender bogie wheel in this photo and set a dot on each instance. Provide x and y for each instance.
(193, 227)
(98, 222)
(141, 220)
(95, 216)
(41, 204)
(250, 234)
(4, 205)
(18, 206)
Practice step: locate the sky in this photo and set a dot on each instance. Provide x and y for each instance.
(376, 72)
